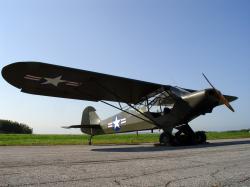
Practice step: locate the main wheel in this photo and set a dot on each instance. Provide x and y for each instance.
(200, 137)
(182, 140)
(165, 139)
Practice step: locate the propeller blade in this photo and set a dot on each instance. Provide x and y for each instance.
(221, 97)
(208, 81)
(225, 101)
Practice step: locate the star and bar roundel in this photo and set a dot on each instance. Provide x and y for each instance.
(117, 123)
(52, 81)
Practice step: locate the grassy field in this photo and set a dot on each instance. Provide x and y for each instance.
(228, 135)
(17, 139)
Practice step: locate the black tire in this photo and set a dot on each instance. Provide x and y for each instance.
(165, 139)
(201, 137)
(182, 140)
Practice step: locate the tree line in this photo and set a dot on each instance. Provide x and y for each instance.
(12, 127)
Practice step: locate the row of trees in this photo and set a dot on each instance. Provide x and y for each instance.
(7, 126)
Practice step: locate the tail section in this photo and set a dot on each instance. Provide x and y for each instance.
(90, 117)
(90, 121)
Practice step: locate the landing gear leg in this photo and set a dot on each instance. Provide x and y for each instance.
(90, 139)
(91, 136)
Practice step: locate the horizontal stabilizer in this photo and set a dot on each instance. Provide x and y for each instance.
(83, 126)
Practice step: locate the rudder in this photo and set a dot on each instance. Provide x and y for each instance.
(90, 117)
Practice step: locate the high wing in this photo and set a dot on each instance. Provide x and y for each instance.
(58, 81)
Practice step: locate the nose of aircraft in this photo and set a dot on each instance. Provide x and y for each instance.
(230, 98)
(222, 99)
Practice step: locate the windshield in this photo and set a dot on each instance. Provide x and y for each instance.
(180, 92)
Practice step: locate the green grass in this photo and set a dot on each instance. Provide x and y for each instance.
(25, 139)
(228, 135)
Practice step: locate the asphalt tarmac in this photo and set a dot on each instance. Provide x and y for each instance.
(219, 163)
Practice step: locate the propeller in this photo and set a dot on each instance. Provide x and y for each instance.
(219, 95)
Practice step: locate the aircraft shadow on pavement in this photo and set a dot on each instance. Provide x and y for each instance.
(154, 148)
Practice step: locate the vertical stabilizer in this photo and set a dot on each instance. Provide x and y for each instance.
(90, 117)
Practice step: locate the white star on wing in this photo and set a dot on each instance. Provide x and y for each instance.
(54, 81)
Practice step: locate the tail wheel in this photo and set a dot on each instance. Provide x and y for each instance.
(200, 137)
(165, 139)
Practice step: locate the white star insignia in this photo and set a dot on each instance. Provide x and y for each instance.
(54, 81)
(116, 123)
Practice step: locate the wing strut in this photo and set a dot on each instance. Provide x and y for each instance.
(114, 94)
(149, 121)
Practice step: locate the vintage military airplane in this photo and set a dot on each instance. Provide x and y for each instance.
(143, 105)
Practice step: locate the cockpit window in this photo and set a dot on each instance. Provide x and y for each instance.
(180, 92)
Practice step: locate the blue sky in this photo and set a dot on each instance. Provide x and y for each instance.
(167, 42)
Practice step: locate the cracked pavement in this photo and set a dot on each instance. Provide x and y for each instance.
(219, 163)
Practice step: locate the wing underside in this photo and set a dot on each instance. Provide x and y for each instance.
(58, 81)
